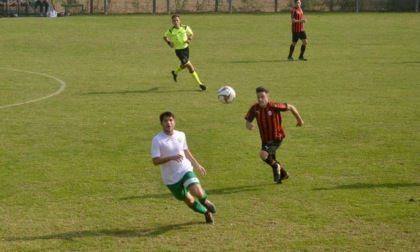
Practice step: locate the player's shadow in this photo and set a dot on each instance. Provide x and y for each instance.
(237, 189)
(145, 91)
(124, 233)
(254, 61)
(368, 186)
(219, 191)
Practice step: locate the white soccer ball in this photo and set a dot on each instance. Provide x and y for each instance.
(226, 94)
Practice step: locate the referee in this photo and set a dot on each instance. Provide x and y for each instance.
(179, 37)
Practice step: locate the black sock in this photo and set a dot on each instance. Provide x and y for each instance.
(302, 51)
(292, 48)
(271, 162)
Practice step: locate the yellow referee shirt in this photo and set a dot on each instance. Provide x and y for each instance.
(179, 36)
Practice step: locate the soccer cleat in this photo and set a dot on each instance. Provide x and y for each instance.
(210, 206)
(276, 173)
(174, 75)
(209, 218)
(303, 58)
(290, 58)
(283, 175)
(203, 87)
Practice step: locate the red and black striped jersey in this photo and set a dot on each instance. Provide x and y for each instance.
(297, 13)
(268, 119)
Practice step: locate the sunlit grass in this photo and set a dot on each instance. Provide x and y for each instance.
(76, 171)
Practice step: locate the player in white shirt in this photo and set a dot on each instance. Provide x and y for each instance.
(170, 151)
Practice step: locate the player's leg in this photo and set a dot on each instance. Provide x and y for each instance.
(295, 38)
(283, 173)
(186, 61)
(194, 74)
(268, 155)
(182, 66)
(197, 191)
(193, 186)
(304, 39)
(203, 205)
(181, 193)
(268, 158)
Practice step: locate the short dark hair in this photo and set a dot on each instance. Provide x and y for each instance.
(261, 89)
(174, 16)
(166, 114)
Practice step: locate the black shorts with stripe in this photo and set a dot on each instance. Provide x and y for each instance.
(271, 146)
(183, 55)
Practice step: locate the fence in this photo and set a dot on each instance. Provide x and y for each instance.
(237, 6)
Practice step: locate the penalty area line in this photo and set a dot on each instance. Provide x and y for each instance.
(61, 89)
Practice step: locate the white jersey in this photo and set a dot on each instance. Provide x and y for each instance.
(164, 145)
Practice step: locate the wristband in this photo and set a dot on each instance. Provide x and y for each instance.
(169, 42)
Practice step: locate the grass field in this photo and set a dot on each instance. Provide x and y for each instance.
(79, 104)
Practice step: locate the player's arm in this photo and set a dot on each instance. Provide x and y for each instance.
(189, 39)
(167, 41)
(162, 160)
(298, 21)
(249, 125)
(295, 112)
(249, 117)
(194, 162)
(295, 20)
(189, 33)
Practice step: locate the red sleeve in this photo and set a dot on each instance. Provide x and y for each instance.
(279, 107)
(250, 115)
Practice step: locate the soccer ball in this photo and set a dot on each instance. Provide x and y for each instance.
(226, 94)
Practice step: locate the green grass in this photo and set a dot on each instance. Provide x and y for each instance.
(76, 172)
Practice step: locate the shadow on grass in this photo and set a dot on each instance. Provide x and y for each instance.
(410, 62)
(126, 233)
(255, 61)
(228, 190)
(238, 189)
(150, 90)
(368, 186)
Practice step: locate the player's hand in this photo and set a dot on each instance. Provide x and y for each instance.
(250, 126)
(177, 158)
(202, 170)
(300, 123)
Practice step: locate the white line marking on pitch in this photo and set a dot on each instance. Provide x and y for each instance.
(62, 87)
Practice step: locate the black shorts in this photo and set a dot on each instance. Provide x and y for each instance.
(183, 55)
(298, 35)
(271, 146)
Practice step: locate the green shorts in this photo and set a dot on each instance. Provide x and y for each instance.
(180, 189)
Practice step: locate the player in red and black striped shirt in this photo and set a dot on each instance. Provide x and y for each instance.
(298, 31)
(268, 116)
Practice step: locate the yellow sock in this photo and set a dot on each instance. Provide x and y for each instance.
(195, 76)
(178, 70)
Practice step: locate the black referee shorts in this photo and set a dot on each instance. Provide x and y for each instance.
(183, 55)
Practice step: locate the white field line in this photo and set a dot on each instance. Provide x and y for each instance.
(62, 87)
